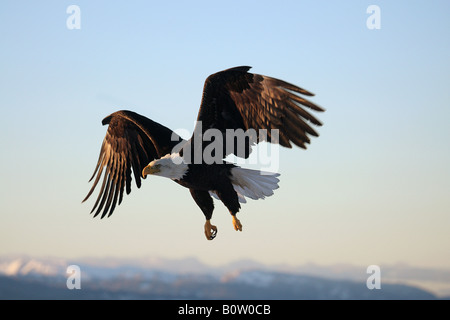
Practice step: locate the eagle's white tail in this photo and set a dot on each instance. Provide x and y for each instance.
(254, 184)
(250, 183)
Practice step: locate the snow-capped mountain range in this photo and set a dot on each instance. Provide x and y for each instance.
(346, 281)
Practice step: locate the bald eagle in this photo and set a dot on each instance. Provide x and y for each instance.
(233, 100)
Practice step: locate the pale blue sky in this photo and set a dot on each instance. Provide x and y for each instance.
(373, 188)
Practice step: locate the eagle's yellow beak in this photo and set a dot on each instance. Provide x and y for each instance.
(151, 169)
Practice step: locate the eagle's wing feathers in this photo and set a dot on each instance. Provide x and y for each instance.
(130, 143)
(237, 99)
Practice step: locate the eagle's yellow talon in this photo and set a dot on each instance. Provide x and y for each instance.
(210, 230)
(237, 224)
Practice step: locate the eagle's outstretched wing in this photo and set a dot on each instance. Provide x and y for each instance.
(237, 99)
(131, 142)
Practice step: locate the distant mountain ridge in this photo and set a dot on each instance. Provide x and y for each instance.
(160, 278)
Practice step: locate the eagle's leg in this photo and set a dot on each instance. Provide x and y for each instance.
(205, 202)
(230, 199)
(210, 230)
(236, 223)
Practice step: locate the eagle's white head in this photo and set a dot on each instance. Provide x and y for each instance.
(170, 166)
